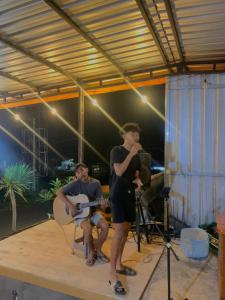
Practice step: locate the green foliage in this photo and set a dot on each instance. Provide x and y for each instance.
(69, 179)
(17, 178)
(55, 185)
(105, 195)
(45, 196)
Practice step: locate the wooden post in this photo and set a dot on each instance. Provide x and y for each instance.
(221, 231)
(81, 127)
(34, 158)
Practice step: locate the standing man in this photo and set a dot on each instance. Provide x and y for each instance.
(125, 167)
(90, 187)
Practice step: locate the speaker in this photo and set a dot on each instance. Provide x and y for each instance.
(145, 172)
(151, 198)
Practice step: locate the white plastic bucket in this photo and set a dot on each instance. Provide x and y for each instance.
(195, 243)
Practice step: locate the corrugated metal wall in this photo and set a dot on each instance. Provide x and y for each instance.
(195, 146)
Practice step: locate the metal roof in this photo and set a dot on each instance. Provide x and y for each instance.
(52, 46)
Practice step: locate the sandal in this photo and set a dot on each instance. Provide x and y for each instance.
(127, 271)
(90, 261)
(103, 258)
(118, 287)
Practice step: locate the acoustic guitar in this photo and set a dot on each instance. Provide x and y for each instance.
(62, 214)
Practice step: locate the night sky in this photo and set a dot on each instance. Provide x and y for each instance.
(123, 106)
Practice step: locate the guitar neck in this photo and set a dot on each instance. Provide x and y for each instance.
(91, 203)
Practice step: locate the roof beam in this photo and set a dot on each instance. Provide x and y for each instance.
(205, 62)
(149, 22)
(170, 14)
(53, 66)
(43, 61)
(24, 82)
(75, 25)
(155, 80)
(73, 95)
(34, 56)
(30, 86)
(180, 66)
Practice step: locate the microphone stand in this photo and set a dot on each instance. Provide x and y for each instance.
(167, 238)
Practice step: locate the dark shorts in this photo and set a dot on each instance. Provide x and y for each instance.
(123, 205)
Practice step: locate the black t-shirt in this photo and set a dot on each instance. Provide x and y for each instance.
(117, 155)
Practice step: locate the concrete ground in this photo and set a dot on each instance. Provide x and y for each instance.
(190, 279)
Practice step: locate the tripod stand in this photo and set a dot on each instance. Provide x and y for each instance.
(144, 221)
(167, 238)
(165, 235)
(140, 217)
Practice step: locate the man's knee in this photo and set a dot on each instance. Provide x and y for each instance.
(103, 225)
(86, 226)
(121, 231)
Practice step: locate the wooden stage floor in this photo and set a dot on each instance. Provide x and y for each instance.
(41, 256)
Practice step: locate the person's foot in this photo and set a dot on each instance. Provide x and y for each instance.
(118, 287)
(126, 271)
(90, 261)
(102, 257)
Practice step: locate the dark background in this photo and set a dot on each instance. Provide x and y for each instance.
(123, 106)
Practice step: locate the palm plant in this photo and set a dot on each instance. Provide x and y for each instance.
(16, 180)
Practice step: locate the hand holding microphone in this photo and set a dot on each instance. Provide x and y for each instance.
(135, 149)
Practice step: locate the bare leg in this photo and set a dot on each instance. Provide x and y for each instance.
(117, 244)
(104, 227)
(88, 238)
(119, 265)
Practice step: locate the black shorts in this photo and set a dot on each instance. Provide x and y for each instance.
(123, 205)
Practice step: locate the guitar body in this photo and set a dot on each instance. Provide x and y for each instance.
(62, 214)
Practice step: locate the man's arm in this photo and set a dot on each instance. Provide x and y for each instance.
(98, 195)
(120, 168)
(61, 195)
(137, 180)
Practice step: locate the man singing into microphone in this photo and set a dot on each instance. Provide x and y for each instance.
(125, 167)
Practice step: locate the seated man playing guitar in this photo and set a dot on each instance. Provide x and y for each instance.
(84, 184)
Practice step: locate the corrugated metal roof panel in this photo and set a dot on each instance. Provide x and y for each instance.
(201, 22)
(186, 31)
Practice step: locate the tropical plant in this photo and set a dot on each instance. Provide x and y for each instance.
(69, 179)
(55, 184)
(45, 196)
(15, 181)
